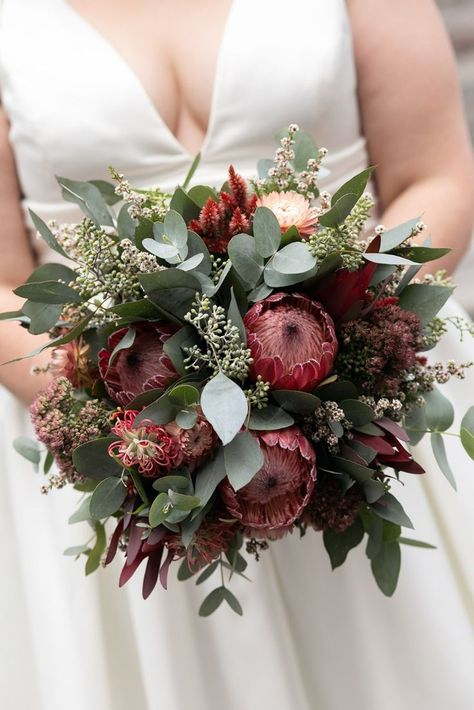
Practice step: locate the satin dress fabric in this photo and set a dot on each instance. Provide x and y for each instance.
(310, 638)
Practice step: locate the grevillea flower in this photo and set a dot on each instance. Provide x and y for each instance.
(292, 341)
(279, 492)
(232, 213)
(195, 443)
(141, 367)
(148, 446)
(291, 209)
(72, 361)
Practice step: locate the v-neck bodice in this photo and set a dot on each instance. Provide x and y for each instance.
(75, 106)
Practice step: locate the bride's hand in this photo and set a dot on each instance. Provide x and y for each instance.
(413, 119)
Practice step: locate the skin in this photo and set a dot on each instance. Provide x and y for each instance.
(410, 106)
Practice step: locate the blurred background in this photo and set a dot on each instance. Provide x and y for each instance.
(459, 18)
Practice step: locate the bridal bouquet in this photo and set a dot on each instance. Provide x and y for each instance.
(233, 366)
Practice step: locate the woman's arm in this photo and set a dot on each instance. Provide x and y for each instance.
(16, 264)
(412, 116)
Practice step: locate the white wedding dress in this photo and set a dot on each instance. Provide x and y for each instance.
(310, 639)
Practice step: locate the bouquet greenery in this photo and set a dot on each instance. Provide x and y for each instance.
(233, 366)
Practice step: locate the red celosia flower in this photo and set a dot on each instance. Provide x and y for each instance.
(141, 367)
(146, 445)
(219, 220)
(278, 493)
(292, 340)
(195, 443)
(343, 293)
(72, 361)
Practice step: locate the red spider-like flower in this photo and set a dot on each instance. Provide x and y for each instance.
(292, 340)
(279, 492)
(141, 367)
(148, 446)
(232, 213)
(210, 540)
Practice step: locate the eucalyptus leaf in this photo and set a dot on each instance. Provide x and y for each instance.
(28, 448)
(267, 232)
(390, 259)
(201, 193)
(107, 498)
(270, 418)
(276, 279)
(194, 166)
(233, 602)
(197, 246)
(392, 238)
(389, 508)
(243, 458)
(162, 411)
(82, 514)
(295, 258)
(426, 300)
(357, 412)
(159, 510)
(439, 411)
(126, 225)
(259, 293)
(467, 432)
(43, 316)
(89, 199)
(339, 544)
(416, 543)
(302, 403)
(123, 344)
(163, 484)
(48, 292)
(263, 166)
(94, 461)
(439, 451)
(421, 255)
(233, 314)
(415, 424)
(162, 251)
(107, 190)
(183, 395)
(212, 601)
(208, 477)
(192, 263)
(46, 234)
(95, 555)
(245, 258)
(226, 420)
(173, 347)
(208, 571)
(183, 502)
(386, 567)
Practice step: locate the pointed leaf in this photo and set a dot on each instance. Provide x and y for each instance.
(389, 508)
(243, 459)
(212, 601)
(467, 432)
(225, 406)
(386, 567)
(267, 232)
(107, 498)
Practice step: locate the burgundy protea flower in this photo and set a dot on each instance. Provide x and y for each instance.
(195, 443)
(141, 367)
(279, 492)
(148, 446)
(232, 213)
(292, 341)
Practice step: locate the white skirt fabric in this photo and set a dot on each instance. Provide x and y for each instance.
(309, 639)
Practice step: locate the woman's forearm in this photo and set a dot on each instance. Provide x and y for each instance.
(14, 342)
(445, 207)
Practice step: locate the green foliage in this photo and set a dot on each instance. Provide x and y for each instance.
(107, 498)
(28, 448)
(243, 458)
(467, 432)
(338, 545)
(226, 421)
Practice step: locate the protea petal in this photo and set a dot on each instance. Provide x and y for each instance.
(292, 340)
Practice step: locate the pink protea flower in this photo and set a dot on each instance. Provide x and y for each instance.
(148, 446)
(291, 209)
(143, 366)
(292, 341)
(279, 492)
(72, 361)
(195, 443)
